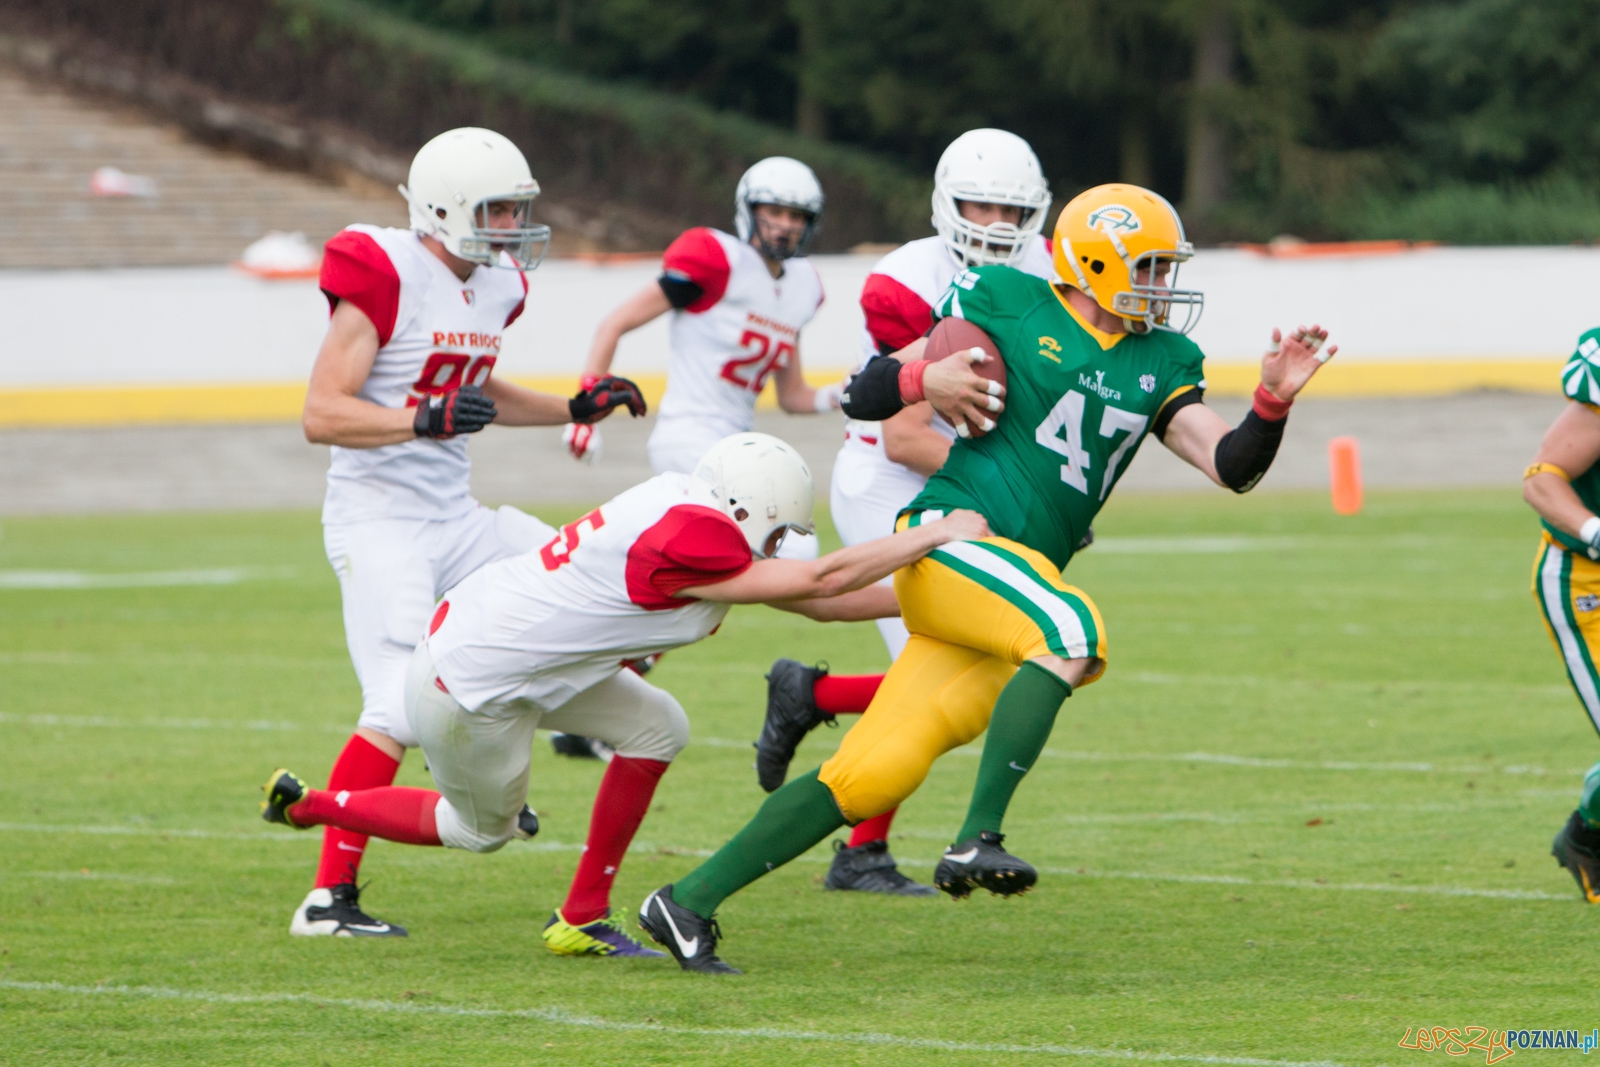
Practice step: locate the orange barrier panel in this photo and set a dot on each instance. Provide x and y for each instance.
(1344, 469)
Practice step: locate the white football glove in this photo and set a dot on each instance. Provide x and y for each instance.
(583, 441)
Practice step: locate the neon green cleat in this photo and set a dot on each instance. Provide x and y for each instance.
(283, 791)
(603, 937)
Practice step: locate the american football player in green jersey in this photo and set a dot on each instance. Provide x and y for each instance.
(1094, 364)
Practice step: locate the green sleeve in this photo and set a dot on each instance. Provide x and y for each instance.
(973, 296)
(1185, 368)
(1578, 377)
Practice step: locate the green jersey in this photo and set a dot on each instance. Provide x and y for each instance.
(1078, 403)
(1580, 381)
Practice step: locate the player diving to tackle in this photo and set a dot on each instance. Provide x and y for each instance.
(990, 204)
(1563, 486)
(540, 639)
(405, 369)
(998, 640)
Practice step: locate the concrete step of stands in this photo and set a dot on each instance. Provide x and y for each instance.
(208, 206)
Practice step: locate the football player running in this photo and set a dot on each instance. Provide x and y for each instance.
(541, 640)
(738, 304)
(990, 204)
(1563, 486)
(1095, 362)
(405, 370)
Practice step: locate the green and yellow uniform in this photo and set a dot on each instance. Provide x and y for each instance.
(1078, 404)
(1566, 577)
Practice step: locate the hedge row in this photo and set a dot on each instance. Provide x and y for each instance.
(345, 62)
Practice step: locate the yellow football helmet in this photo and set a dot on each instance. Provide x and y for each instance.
(1122, 245)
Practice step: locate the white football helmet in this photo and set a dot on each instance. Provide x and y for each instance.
(989, 167)
(784, 181)
(456, 180)
(762, 484)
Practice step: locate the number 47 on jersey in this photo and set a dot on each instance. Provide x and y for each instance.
(1062, 432)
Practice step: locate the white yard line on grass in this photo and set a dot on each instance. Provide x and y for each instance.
(142, 579)
(562, 1017)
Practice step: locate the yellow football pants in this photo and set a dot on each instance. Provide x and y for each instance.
(1567, 587)
(977, 610)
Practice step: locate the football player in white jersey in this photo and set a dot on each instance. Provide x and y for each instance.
(738, 304)
(541, 639)
(405, 369)
(990, 204)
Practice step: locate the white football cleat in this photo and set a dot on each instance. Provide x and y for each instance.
(336, 912)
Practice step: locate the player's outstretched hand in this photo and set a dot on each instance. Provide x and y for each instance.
(959, 394)
(597, 397)
(464, 410)
(964, 525)
(1291, 361)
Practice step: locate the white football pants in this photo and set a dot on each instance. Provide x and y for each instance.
(391, 572)
(480, 759)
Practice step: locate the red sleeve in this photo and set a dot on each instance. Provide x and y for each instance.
(1050, 246)
(895, 315)
(697, 256)
(516, 312)
(690, 545)
(354, 268)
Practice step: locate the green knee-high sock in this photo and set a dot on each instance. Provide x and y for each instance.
(1018, 729)
(1589, 805)
(791, 821)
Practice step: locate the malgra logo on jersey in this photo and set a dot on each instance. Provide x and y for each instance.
(479, 341)
(1114, 219)
(1098, 386)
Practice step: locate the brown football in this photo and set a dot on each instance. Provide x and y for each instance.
(958, 335)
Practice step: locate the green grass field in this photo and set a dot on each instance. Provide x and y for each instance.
(1308, 808)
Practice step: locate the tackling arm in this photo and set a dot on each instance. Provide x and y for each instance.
(1571, 446)
(874, 602)
(848, 569)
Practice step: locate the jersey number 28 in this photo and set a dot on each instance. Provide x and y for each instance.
(1062, 432)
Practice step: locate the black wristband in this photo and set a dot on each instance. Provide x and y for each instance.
(679, 290)
(873, 394)
(1245, 452)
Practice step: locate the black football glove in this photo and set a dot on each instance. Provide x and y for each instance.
(464, 410)
(599, 397)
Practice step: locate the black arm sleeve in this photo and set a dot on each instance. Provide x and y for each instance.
(1245, 452)
(680, 291)
(873, 394)
(1175, 405)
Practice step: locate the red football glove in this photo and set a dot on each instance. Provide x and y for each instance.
(598, 397)
(464, 410)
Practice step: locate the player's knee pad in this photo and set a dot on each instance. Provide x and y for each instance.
(488, 834)
(661, 730)
(936, 697)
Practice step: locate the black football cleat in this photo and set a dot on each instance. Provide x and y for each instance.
(336, 912)
(869, 868)
(980, 863)
(1577, 848)
(579, 747)
(527, 824)
(283, 791)
(791, 714)
(691, 939)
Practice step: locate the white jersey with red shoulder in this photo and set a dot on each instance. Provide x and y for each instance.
(744, 326)
(897, 303)
(548, 624)
(435, 333)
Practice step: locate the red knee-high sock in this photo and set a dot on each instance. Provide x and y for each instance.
(874, 829)
(845, 694)
(619, 807)
(362, 765)
(392, 812)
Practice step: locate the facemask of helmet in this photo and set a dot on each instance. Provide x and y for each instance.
(762, 484)
(471, 190)
(784, 182)
(989, 167)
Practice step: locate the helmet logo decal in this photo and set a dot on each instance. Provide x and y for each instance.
(1114, 218)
